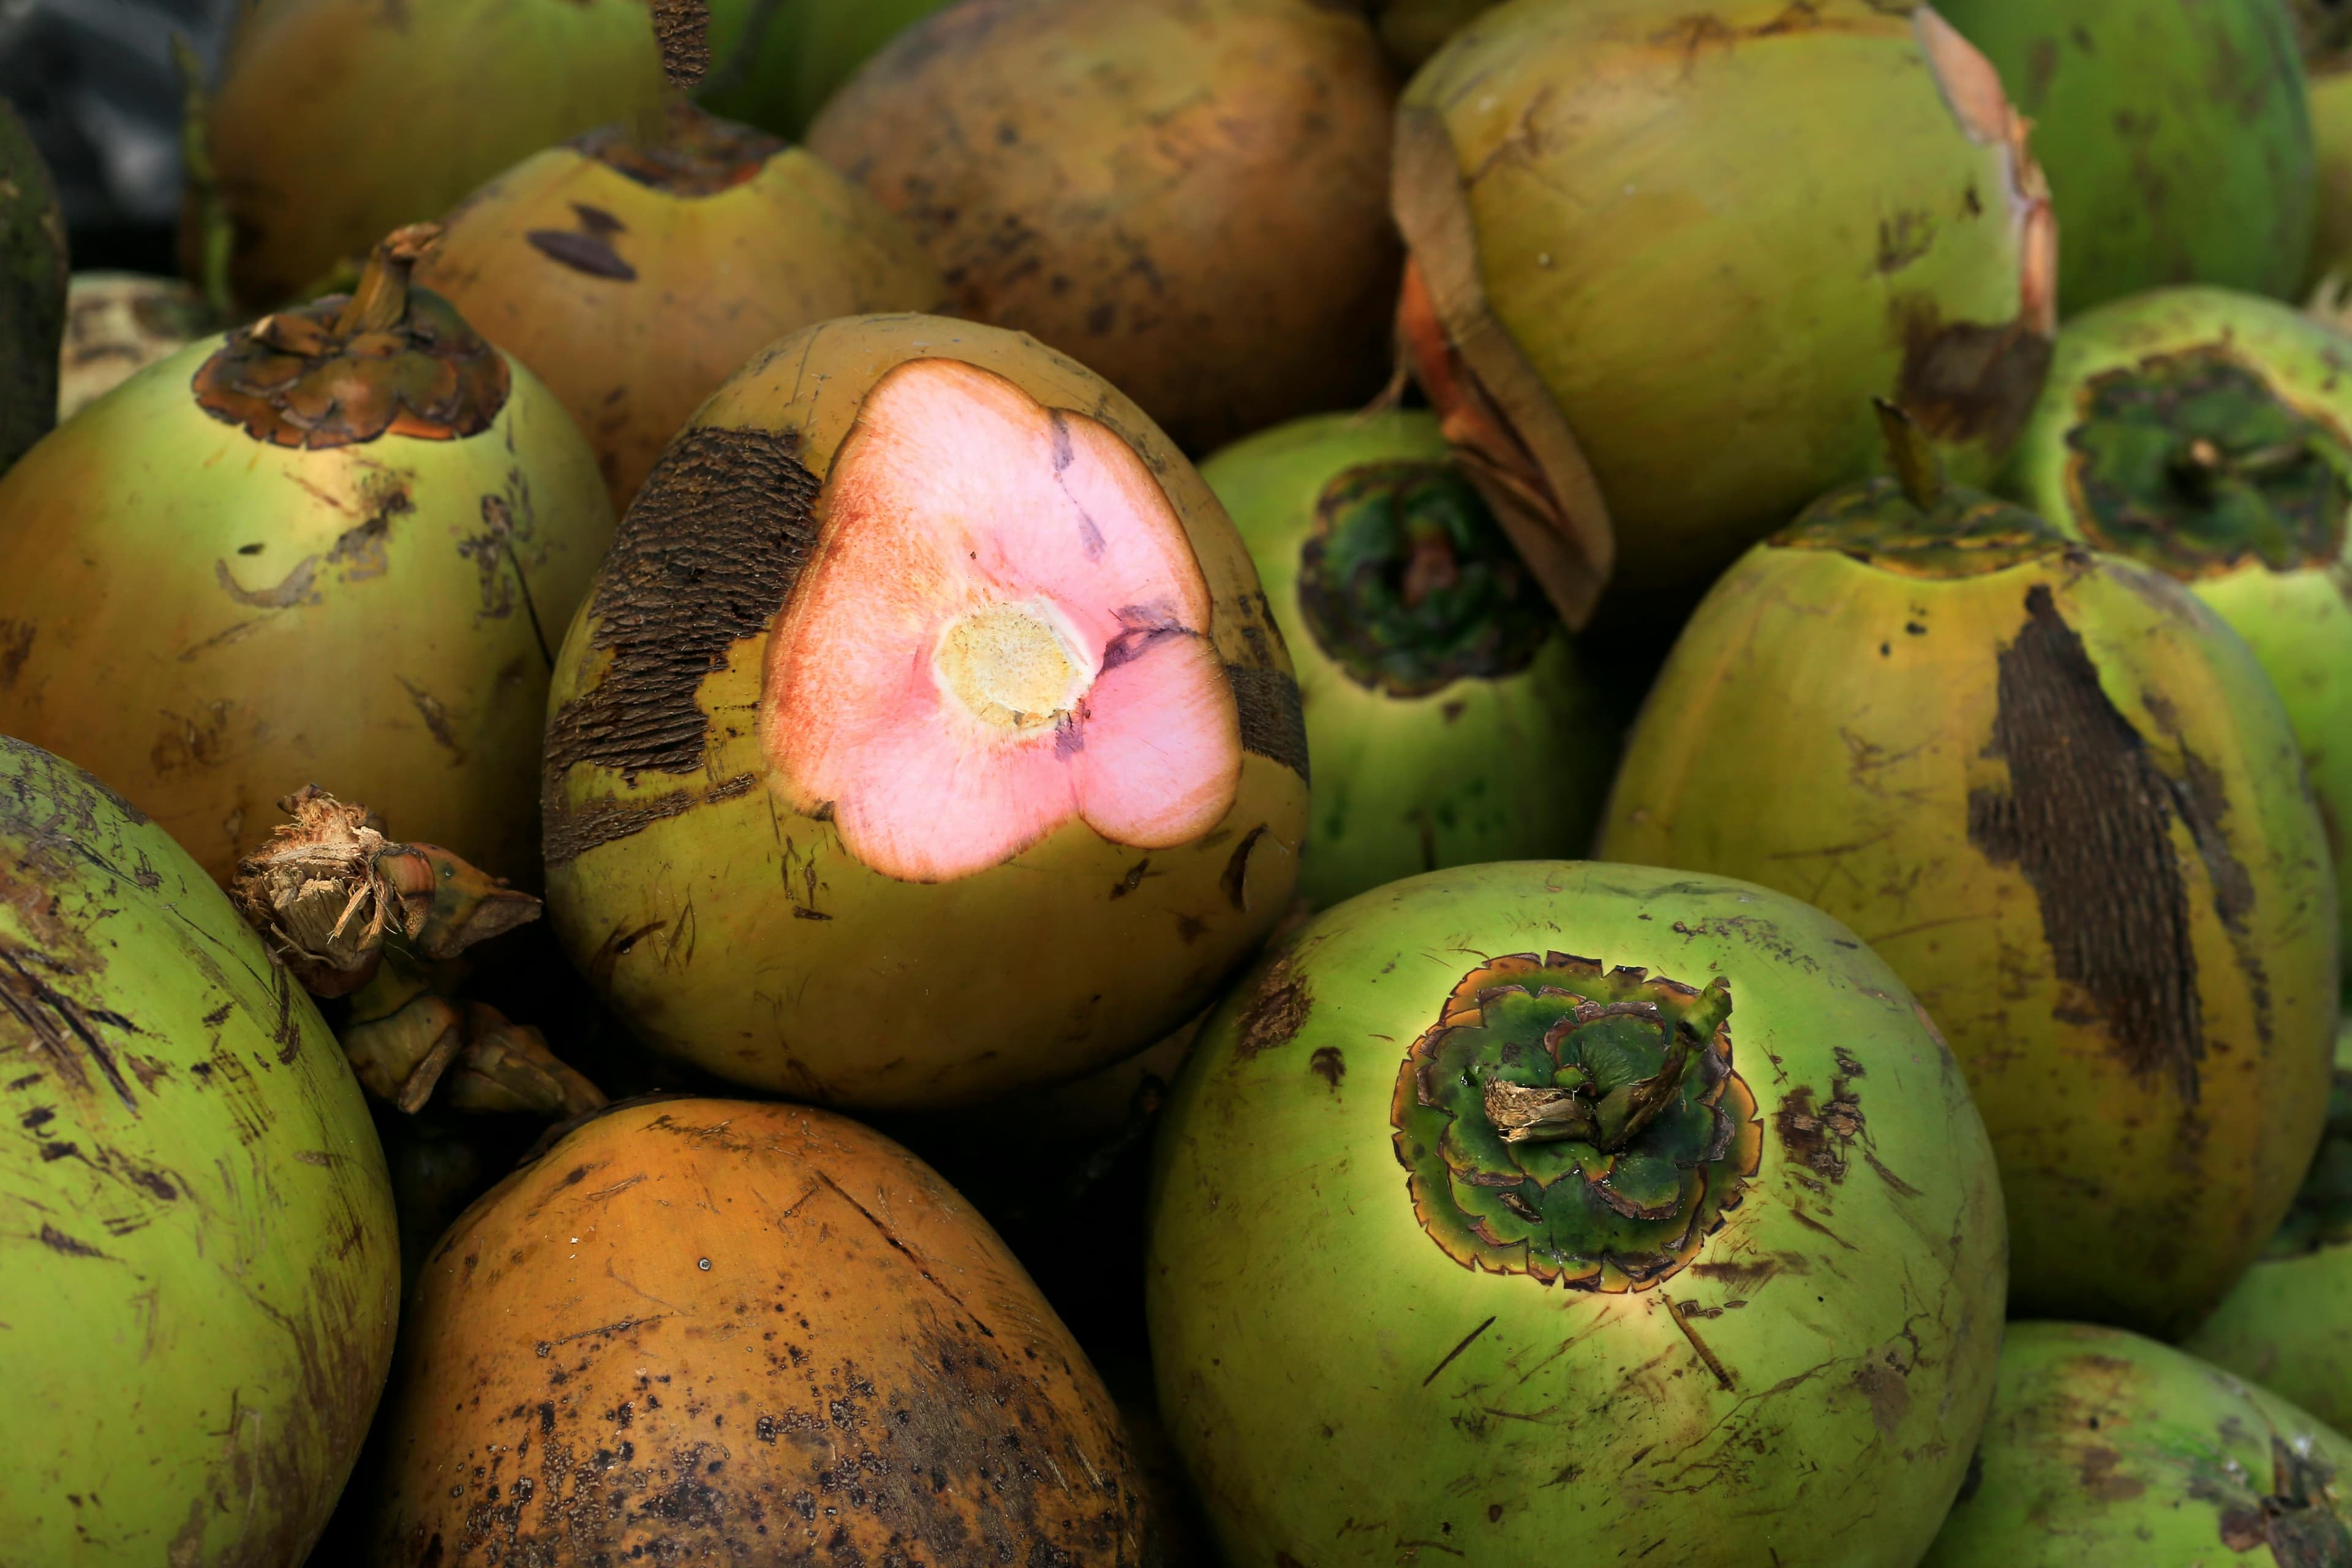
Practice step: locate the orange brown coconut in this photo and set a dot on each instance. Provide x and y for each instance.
(1188, 196)
(716, 1331)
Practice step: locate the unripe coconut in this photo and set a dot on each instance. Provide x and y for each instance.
(2324, 29)
(1447, 714)
(2060, 796)
(1188, 196)
(1460, 1238)
(926, 682)
(2106, 1449)
(337, 121)
(117, 324)
(199, 1271)
(1654, 331)
(33, 280)
(335, 544)
(709, 1329)
(2208, 434)
(2284, 1326)
(775, 62)
(2174, 133)
(634, 275)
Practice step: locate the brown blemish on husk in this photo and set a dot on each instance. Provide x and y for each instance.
(387, 360)
(2088, 819)
(1273, 721)
(1505, 429)
(1278, 1013)
(1818, 1139)
(588, 253)
(704, 558)
(1965, 381)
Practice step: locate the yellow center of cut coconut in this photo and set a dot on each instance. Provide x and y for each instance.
(1016, 666)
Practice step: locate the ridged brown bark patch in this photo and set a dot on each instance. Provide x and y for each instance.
(574, 830)
(1273, 725)
(705, 557)
(2088, 818)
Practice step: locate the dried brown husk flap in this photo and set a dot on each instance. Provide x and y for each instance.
(352, 914)
(1506, 430)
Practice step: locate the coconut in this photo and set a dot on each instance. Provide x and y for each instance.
(634, 270)
(201, 1265)
(775, 62)
(117, 324)
(2060, 796)
(1186, 196)
(2208, 434)
(337, 121)
(1506, 1205)
(2323, 28)
(2106, 1447)
(921, 648)
(2284, 1326)
(717, 1330)
(335, 544)
(32, 290)
(1447, 713)
(2174, 133)
(1653, 332)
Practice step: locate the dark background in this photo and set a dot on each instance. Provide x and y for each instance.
(94, 82)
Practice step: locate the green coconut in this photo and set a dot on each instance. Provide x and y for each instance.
(2208, 435)
(775, 62)
(2060, 796)
(2284, 1326)
(199, 1274)
(336, 122)
(1505, 1206)
(2324, 28)
(1654, 332)
(924, 740)
(2108, 1448)
(1447, 714)
(33, 280)
(2174, 133)
(336, 546)
(1187, 196)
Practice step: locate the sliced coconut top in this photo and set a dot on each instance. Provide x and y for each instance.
(1001, 627)
(2193, 462)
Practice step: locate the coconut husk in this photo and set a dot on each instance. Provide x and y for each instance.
(1507, 434)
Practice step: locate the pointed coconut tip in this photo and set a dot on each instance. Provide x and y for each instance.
(1911, 455)
(1001, 629)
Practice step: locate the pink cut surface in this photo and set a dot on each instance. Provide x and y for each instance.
(959, 501)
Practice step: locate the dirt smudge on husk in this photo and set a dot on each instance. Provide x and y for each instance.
(1276, 1014)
